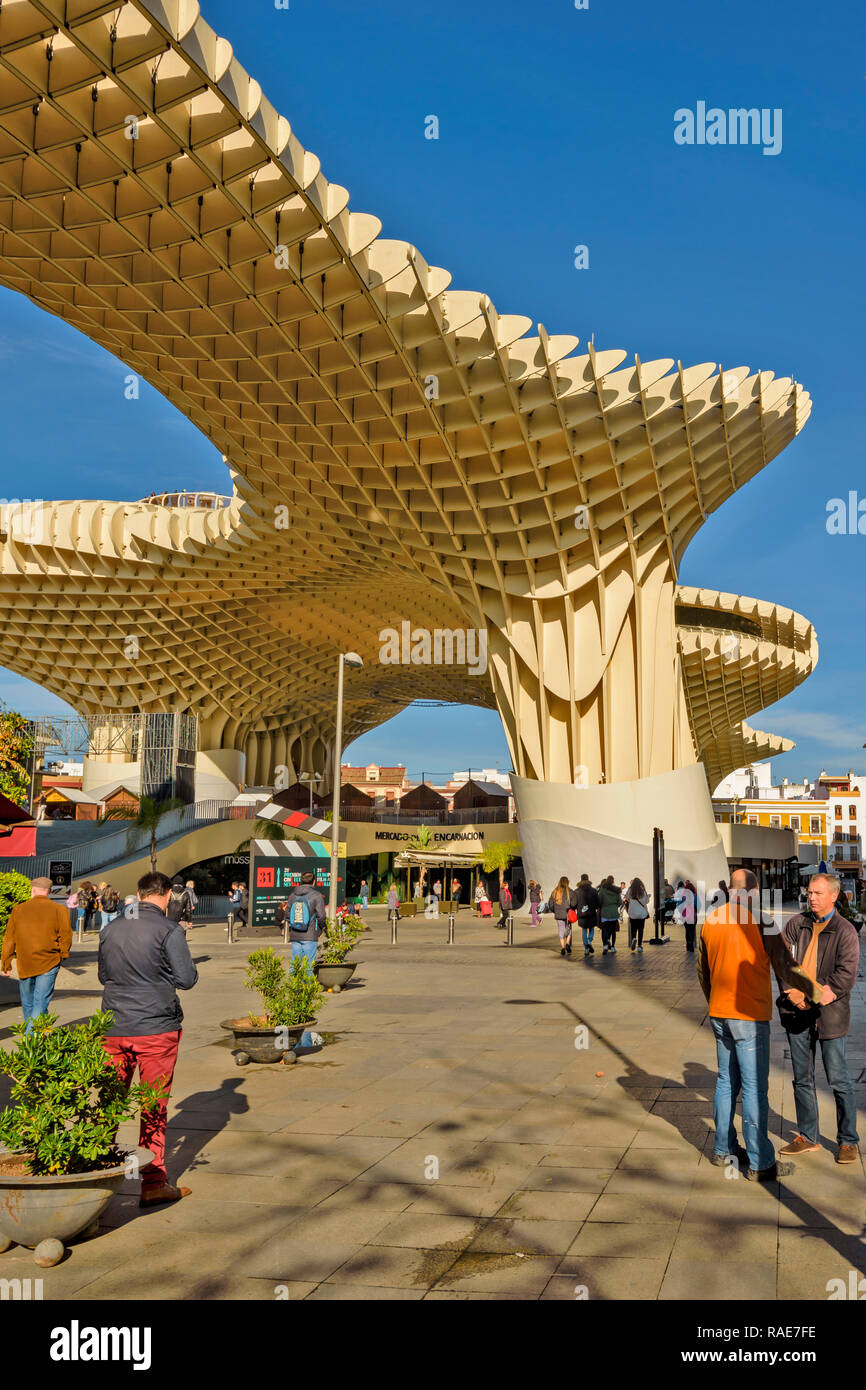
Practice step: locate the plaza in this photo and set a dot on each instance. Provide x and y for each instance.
(455, 1139)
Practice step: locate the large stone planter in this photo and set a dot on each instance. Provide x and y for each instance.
(34, 1209)
(335, 977)
(264, 1044)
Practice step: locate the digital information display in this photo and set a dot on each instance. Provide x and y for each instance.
(272, 879)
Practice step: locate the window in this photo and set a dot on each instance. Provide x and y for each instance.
(753, 820)
(837, 811)
(852, 812)
(794, 822)
(776, 821)
(814, 825)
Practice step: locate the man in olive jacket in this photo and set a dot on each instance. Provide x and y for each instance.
(828, 948)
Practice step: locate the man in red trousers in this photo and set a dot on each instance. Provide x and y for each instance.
(143, 961)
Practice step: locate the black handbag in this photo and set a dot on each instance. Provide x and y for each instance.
(795, 1020)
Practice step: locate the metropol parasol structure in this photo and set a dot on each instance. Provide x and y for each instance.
(400, 453)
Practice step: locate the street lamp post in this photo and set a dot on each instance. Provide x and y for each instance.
(350, 659)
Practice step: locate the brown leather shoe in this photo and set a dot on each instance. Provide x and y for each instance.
(799, 1145)
(848, 1153)
(156, 1195)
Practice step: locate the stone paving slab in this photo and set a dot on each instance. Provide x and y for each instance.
(452, 1142)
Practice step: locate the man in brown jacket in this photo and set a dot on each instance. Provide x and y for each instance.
(38, 934)
(827, 947)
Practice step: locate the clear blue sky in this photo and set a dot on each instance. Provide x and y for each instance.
(556, 128)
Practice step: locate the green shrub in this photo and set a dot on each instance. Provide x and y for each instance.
(286, 1000)
(342, 937)
(67, 1098)
(14, 888)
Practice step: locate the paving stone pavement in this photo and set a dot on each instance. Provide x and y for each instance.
(454, 1139)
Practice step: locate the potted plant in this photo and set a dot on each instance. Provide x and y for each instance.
(289, 1004)
(64, 1163)
(342, 936)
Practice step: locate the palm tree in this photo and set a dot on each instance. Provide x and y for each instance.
(499, 854)
(150, 813)
(263, 830)
(422, 843)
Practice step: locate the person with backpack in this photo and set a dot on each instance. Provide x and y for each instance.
(609, 903)
(505, 906)
(86, 905)
(562, 907)
(637, 907)
(687, 906)
(179, 907)
(306, 916)
(586, 903)
(109, 904)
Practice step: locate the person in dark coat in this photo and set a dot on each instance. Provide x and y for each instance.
(505, 905)
(587, 906)
(827, 946)
(143, 961)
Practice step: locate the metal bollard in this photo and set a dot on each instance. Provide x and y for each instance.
(285, 930)
(80, 930)
(230, 928)
(509, 930)
(450, 928)
(394, 916)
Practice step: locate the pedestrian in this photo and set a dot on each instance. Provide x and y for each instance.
(109, 904)
(364, 894)
(505, 905)
(141, 968)
(733, 965)
(480, 893)
(39, 936)
(586, 906)
(485, 907)
(686, 898)
(456, 890)
(72, 908)
(609, 903)
(827, 946)
(437, 889)
(41, 807)
(535, 896)
(307, 918)
(561, 904)
(393, 899)
(193, 895)
(637, 907)
(86, 895)
(179, 906)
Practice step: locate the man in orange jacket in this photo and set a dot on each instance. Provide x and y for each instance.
(734, 963)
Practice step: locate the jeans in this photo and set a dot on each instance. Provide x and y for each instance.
(36, 994)
(802, 1047)
(308, 949)
(587, 933)
(106, 918)
(743, 1052)
(365, 902)
(155, 1056)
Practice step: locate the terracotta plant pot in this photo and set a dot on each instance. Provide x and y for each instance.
(33, 1209)
(265, 1044)
(335, 977)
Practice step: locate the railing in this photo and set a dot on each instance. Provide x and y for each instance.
(206, 501)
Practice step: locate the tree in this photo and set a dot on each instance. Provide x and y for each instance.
(263, 830)
(16, 749)
(500, 854)
(150, 813)
(422, 843)
(14, 888)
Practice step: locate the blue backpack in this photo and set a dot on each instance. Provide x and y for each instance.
(300, 913)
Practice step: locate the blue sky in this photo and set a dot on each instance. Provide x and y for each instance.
(556, 129)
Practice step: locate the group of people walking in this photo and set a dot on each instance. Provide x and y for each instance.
(588, 907)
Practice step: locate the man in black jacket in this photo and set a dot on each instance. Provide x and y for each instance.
(143, 961)
(828, 948)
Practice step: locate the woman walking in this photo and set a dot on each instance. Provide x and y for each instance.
(687, 902)
(609, 899)
(535, 896)
(561, 906)
(637, 906)
(480, 894)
